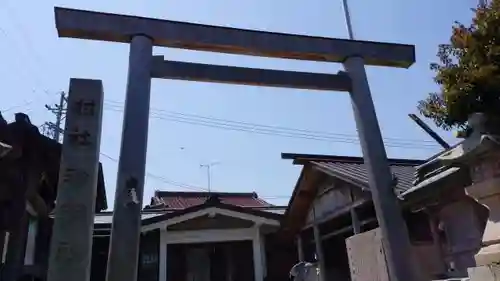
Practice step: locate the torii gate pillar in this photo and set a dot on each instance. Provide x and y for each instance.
(124, 250)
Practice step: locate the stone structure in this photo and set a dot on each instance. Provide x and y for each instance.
(459, 221)
(71, 246)
(480, 152)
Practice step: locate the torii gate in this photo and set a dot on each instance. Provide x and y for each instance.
(142, 33)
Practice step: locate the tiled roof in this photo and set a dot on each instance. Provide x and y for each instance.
(182, 200)
(357, 172)
(434, 170)
(353, 169)
(433, 166)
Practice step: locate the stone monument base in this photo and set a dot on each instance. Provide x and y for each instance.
(489, 255)
(484, 273)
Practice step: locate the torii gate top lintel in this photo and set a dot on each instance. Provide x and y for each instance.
(109, 27)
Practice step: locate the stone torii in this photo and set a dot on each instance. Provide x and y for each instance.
(144, 33)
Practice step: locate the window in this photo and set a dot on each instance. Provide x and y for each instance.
(419, 227)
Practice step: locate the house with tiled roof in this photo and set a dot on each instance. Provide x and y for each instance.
(29, 176)
(331, 203)
(178, 200)
(205, 236)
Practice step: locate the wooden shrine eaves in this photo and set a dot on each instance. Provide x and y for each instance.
(90, 25)
(249, 76)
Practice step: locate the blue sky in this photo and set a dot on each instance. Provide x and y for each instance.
(36, 65)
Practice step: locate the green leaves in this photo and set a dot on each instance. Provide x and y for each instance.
(468, 71)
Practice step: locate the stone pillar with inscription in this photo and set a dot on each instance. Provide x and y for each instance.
(480, 153)
(71, 245)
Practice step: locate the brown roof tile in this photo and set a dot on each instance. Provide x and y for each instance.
(404, 174)
(181, 200)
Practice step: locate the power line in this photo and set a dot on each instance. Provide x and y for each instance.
(188, 186)
(163, 179)
(34, 74)
(270, 130)
(54, 130)
(26, 103)
(12, 13)
(237, 125)
(48, 127)
(158, 110)
(258, 128)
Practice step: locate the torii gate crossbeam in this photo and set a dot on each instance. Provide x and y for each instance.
(80, 24)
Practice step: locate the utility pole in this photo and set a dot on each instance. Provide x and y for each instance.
(209, 179)
(53, 129)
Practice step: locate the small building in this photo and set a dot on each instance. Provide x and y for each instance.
(331, 202)
(29, 175)
(205, 236)
(440, 190)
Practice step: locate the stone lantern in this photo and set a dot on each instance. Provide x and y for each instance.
(480, 153)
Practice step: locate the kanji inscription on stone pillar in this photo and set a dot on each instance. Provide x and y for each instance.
(71, 246)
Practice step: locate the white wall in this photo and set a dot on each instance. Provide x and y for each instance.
(331, 197)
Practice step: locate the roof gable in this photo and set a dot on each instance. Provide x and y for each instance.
(213, 207)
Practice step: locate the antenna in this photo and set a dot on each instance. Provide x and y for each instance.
(209, 166)
(429, 131)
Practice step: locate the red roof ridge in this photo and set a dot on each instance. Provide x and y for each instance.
(159, 193)
(186, 199)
